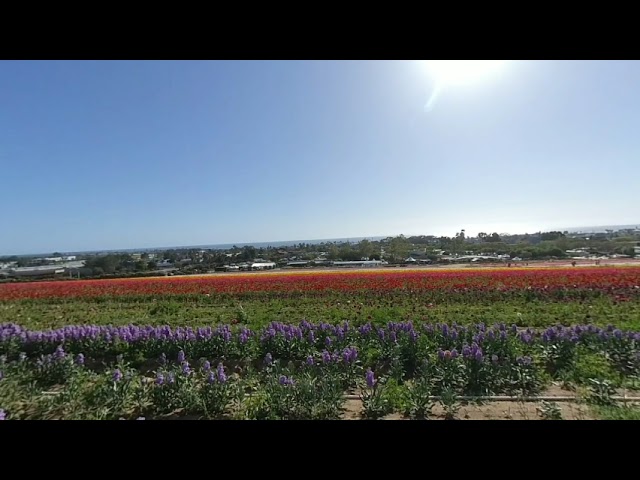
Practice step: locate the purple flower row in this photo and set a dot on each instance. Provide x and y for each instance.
(476, 334)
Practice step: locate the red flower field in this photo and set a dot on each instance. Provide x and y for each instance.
(619, 281)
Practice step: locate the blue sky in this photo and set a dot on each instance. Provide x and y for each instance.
(107, 155)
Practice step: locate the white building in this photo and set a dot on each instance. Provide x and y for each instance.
(263, 266)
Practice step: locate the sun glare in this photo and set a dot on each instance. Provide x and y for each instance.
(451, 73)
(462, 72)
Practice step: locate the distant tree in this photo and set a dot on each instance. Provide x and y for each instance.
(365, 248)
(494, 238)
(170, 255)
(398, 248)
(247, 253)
(482, 236)
(333, 252)
(545, 236)
(140, 266)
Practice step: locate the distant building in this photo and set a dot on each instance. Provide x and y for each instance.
(578, 252)
(361, 263)
(263, 266)
(298, 264)
(43, 271)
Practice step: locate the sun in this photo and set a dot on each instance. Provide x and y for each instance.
(462, 72)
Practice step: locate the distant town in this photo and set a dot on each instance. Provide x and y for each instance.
(396, 251)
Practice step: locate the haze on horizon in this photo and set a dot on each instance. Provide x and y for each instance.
(101, 155)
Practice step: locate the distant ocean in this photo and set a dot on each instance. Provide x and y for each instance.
(597, 229)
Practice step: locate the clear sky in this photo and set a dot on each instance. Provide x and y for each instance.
(106, 155)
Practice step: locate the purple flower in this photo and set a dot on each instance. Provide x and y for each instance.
(326, 357)
(186, 369)
(524, 361)
(370, 378)
(310, 361)
(206, 366)
(222, 377)
(284, 380)
(346, 355)
(445, 330)
(59, 353)
(354, 355)
(80, 359)
(312, 337)
(3, 415)
(181, 356)
(328, 341)
(171, 378)
(159, 379)
(454, 353)
(211, 378)
(268, 359)
(440, 354)
(478, 356)
(117, 375)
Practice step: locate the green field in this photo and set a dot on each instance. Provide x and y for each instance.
(411, 345)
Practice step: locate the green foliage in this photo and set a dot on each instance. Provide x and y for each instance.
(305, 397)
(450, 403)
(601, 392)
(375, 401)
(418, 404)
(550, 411)
(590, 364)
(618, 412)
(165, 309)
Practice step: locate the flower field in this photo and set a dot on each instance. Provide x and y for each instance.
(612, 281)
(409, 343)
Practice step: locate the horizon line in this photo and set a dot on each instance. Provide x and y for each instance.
(318, 240)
